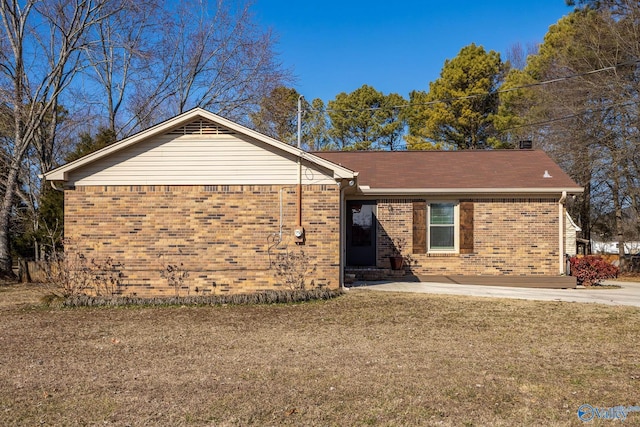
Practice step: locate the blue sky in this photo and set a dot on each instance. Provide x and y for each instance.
(335, 46)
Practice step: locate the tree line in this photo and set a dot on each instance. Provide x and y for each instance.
(78, 75)
(576, 95)
(458, 112)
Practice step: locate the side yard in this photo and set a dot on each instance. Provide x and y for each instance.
(363, 358)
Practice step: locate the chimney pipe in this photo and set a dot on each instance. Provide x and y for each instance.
(527, 144)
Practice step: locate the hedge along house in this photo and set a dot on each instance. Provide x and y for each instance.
(228, 204)
(216, 199)
(483, 217)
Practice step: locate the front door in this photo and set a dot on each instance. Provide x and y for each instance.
(361, 232)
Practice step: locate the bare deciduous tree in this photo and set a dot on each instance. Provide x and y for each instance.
(588, 116)
(41, 55)
(217, 59)
(122, 64)
(154, 60)
(118, 59)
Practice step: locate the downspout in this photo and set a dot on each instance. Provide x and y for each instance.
(53, 185)
(561, 265)
(281, 217)
(341, 233)
(343, 228)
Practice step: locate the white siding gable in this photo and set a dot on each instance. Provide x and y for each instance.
(199, 153)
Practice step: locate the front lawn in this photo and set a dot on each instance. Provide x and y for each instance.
(365, 358)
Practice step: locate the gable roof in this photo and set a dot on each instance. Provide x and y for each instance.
(204, 122)
(469, 171)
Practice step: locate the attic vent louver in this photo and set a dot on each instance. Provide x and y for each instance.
(201, 127)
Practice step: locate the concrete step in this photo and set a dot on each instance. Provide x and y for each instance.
(373, 274)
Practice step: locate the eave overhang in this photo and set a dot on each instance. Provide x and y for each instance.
(62, 173)
(464, 191)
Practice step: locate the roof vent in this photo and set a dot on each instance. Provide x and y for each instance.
(526, 144)
(547, 174)
(201, 127)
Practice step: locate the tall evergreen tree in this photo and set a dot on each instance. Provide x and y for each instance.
(277, 115)
(315, 127)
(87, 144)
(365, 119)
(458, 111)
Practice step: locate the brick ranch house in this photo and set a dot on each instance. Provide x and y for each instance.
(226, 202)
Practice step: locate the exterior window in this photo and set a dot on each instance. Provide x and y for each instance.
(442, 233)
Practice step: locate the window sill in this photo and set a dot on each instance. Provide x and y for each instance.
(443, 254)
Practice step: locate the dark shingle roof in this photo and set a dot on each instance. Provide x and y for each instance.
(470, 169)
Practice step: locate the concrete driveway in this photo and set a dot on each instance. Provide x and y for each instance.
(627, 294)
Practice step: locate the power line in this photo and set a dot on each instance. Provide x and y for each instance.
(572, 116)
(484, 94)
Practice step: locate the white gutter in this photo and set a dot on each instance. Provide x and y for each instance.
(561, 265)
(425, 191)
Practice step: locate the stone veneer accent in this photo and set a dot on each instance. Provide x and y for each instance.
(225, 236)
(512, 236)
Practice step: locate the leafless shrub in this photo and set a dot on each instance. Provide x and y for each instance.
(68, 274)
(293, 268)
(175, 275)
(107, 276)
(72, 273)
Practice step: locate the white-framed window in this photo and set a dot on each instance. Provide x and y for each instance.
(443, 227)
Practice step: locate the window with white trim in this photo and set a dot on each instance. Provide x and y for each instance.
(443, 227)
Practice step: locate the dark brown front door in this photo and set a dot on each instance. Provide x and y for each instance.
(361, 232)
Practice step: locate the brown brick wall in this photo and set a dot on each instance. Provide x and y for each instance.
(511, 237)
(225, 236)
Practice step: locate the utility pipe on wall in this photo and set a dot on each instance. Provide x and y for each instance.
(299, 224)
(299, 232)
(342, 234)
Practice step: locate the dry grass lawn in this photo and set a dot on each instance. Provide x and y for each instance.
(362, 359)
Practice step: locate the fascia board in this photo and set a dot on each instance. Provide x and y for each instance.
(459, 191)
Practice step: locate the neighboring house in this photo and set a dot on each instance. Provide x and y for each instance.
(598, 247)
(226, 203)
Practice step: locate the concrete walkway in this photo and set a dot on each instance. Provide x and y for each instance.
(628, 294)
